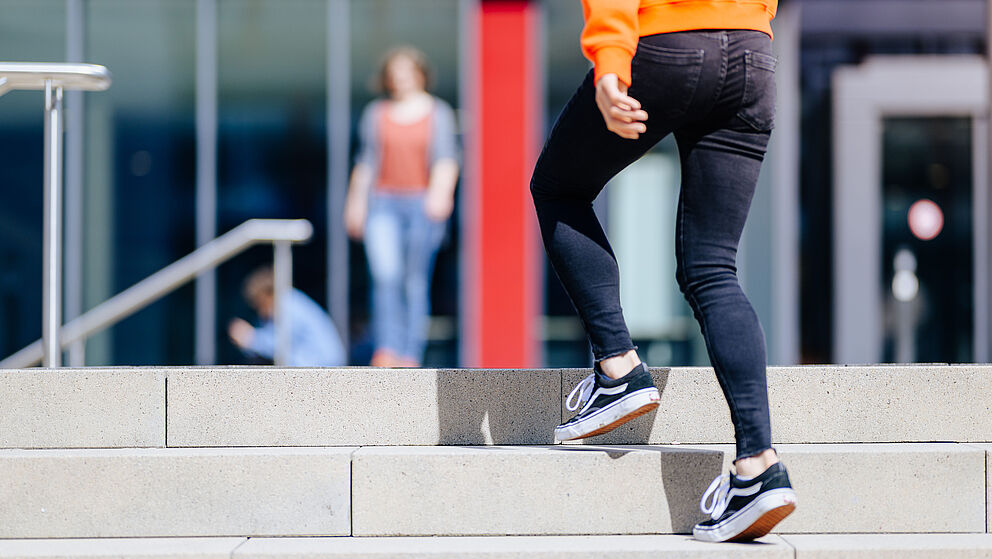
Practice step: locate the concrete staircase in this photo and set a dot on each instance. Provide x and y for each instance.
(888, 461)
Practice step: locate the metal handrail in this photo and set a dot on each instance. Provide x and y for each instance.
(53, 78)
(36, 75)
(280, 232)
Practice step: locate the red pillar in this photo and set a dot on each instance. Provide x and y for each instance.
(503, 275)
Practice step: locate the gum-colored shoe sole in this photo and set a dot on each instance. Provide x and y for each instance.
(630, 416)
(765, 523)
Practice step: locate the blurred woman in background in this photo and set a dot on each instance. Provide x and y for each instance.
(399, 199)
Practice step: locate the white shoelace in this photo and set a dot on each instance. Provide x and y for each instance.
(719, 490)
(583, 391)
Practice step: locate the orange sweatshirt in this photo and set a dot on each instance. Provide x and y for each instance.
(613, 27)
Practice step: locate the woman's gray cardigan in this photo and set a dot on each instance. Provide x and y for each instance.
(442, 145)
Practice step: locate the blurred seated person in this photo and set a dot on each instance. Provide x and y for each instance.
(314, 341)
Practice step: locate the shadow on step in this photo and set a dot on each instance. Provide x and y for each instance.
(518, 407)
(685, 475)
(494, 406)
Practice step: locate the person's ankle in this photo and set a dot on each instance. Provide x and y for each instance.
(619, 365)
(753, 466)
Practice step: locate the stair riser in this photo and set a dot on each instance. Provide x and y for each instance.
(427, 491)
(82, 408)
(147, 493)
(271, 407)
(841, 488)
(208, 407)
(820, 405)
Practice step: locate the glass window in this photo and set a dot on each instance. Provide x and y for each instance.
(140, 172)
(822, 54)
(30, 31)
(272, 140)
(927, 247)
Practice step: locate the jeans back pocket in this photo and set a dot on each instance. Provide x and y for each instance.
(665, 79)
(758, 103)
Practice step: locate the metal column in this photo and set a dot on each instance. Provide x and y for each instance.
(282, 271)
(983, 346)
(73, 210)
(52, 258)
(206, 175)
(338, 138)
(53, 79)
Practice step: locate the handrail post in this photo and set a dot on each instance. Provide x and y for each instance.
(52, 272)
(282, 270)
(53, 79)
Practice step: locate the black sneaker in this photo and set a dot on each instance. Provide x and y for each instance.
(608, 403)
(745, 510)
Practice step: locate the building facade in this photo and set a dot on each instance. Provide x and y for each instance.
(225, 110)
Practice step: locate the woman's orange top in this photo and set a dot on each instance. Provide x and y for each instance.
(404, 147)
(613, 27)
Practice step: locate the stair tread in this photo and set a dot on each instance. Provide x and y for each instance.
(505, 547)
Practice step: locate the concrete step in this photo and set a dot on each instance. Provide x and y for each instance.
(891, 546)
(81, 408)
(175, 492)
(117, 548)
(845, 546)
(874, 488)
(265, 407)
(462, 491)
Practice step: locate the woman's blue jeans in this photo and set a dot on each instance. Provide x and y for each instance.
(715, 91)
(401, 243)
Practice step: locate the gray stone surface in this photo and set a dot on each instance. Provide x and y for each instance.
(81, 408)
(870, 488)
(174, 492)
(145, 548)
(361, 406)
(420, 491)
(886, 488)
(821, 404)
(891, 546)
(988, 484)
(521, 547)
(877, 487)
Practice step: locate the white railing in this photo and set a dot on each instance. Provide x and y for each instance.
(53, 78)
(282, 233)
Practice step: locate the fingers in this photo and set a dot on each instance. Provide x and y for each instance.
(622, 113)
(621, 99)
(629, 131)
(627, 115)
(625, 123)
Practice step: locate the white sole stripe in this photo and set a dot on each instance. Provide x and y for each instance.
(745, 517)
(607, 415)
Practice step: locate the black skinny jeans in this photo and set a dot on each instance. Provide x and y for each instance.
(715, 91)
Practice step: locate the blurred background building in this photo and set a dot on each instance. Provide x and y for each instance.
(224, 110)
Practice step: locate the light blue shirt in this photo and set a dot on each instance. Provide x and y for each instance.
(314, 341)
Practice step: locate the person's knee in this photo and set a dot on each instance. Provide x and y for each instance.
(541, 189)
(386, 273)
(692, 279)
(546, 182)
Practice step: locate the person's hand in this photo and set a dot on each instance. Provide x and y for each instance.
(355, 212)
(622, 113)
(438, 205)
(241, 333)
